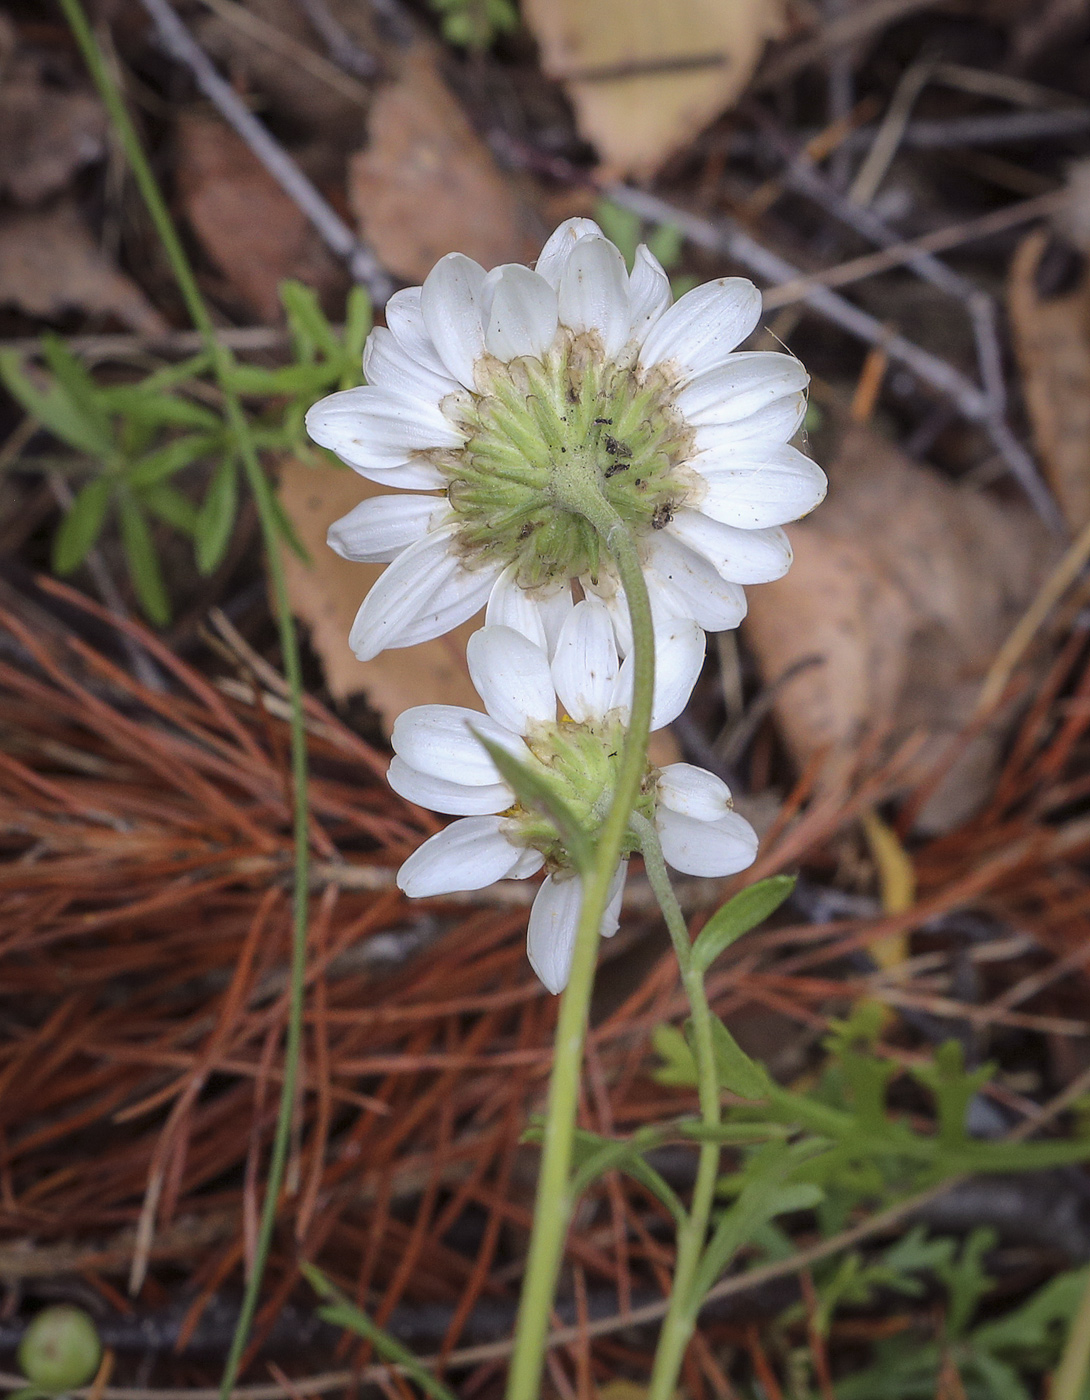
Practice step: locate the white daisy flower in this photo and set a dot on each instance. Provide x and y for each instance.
(439, 763)
(502, 391)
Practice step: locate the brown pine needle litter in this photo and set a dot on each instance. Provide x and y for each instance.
(144, 939)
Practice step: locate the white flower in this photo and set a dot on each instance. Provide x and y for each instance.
(439, 763)
(504, 390)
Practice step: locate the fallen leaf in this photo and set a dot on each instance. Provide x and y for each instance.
(49, 265)
(327, 592)
(1052, 337)
(645, 78)
(254, 233)
(46, 134)
(427, 185)
(903, 587)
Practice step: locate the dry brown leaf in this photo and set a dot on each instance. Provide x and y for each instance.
(427, 184)
(49, 265)
(326, 595)
(645, 78)
(254, 233)
(1052, 336)
(903, 587)
(46, 134)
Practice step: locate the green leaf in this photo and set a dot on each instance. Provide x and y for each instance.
(142, 561)
(358, 319)
(171, 507)
(679, 1065)
(954, 1089)
(535, 792)
(665, 244)
(55, 410)
(343, 1313)
(740, 914)
(74, 379)
(157, 466)
(595, 1155)
(79, 530)
(620, 226)
(307, 320)
(216, 517)
(736, 1071)
(158, 408)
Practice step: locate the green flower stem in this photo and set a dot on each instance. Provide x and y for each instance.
(222, 363)
(680, 1319)
(554, 1203)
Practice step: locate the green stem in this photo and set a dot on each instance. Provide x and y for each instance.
(1069, 1378)
(553, 1206)
(222, 363)
(677, 1326)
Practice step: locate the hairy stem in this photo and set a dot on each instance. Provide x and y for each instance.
(222, 363)
(553, 1206)
(680, 1319)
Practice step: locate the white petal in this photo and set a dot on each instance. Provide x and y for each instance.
(741, 556)
(585, 665)
(529, 863)
(755, 490)
(382, 526)
(694, 792)
(699, 331)
(607, 589)
(417, 475)
(387, 365)
(523, 317)
(741, 385)
(594, 293)
(554, 606)
(557, 250)
(778, 421)
(467, 855)
(684, 584)
(422, 594)
(611, 918)
(376, 428)
(441, 741)
(721, 847)
(511, 606)
(450, 302)
(444, 795)
(679, 657)
(649, 291)
(406, 320)
(550, 934)
(512, 678)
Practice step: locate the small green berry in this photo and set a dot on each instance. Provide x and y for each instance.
(60, 1349)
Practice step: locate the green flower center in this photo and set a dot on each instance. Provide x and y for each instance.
(542, 433)
(580, 762)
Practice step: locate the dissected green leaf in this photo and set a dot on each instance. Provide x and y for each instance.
(307, 320)
(679, 1062)
(142, 561)
(55, 410)
(171, 507)
(216, 517)
(737, 1072)
(744, 912)
(79, 530)
(166, 461)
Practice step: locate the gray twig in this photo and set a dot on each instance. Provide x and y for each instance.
(726, 238)
(342, 48)
(180, 44)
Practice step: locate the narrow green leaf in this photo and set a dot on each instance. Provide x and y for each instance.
(534, 791)
(75, 380)
(736, 1071)
(621, 226)
(216, 517)
(665, 244)
(343, 1313)
(79, 530)
(679, 1062)
(158, 407)
(143, 562)
(358, 319)
(164, 462)
(171, 507)
(740, 914)
(54, 409)
(307, 319)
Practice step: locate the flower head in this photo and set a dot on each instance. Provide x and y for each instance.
(507, 391)
(440, 763)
